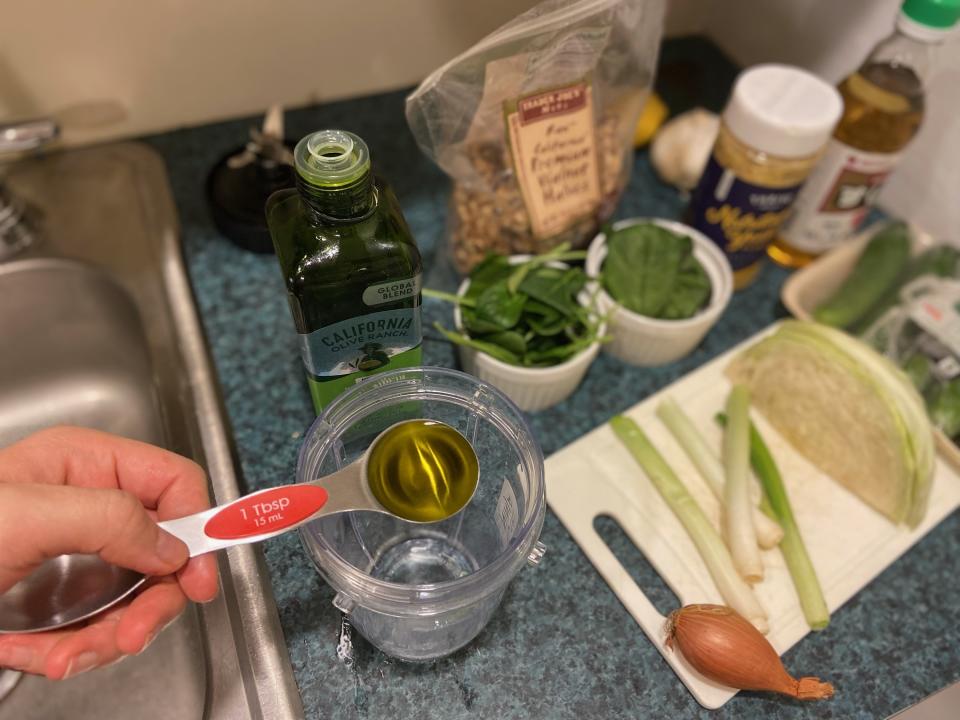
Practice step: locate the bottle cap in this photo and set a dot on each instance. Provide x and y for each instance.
(928, 20)
(782, 110)
(332, 158)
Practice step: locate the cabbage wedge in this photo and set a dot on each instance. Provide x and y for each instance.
(848, 410)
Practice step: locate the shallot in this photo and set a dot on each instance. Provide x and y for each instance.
(722, 646)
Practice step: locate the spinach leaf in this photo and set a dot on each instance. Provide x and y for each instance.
(691, 291)
(555, 287)
(492, 349)
(652, 271)
(509, 339)
(526, 314)
(558, 353)
(641, 266)
(497, 305)
(492, 269)
(476, 325)
(542, 343)
(543, 319)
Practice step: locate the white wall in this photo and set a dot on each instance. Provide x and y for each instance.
(111, 68)
(121, 67)
(829, 37)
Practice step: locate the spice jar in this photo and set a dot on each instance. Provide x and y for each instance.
(772, 132)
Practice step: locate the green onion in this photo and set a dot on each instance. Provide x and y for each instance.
(735, 592)
(737, 508)
(794, 552)
(708, 464)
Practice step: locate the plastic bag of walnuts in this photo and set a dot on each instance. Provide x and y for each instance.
(535, 124)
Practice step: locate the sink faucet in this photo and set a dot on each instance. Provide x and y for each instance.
(18, 226)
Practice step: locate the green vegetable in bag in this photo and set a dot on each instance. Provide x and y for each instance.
(944, 407)
(917, 369)
(875, 273)
(939, 261)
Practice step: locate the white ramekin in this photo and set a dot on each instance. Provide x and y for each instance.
(532, 389)
(640, 340)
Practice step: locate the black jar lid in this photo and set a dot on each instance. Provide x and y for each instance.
(239, 185)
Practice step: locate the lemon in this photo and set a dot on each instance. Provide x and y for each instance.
(652, 117)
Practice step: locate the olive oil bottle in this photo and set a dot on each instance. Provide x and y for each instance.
(883, 108)
(351, 267)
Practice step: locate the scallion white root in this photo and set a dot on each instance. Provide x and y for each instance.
(735, 592)
(769, 532)
(737, 508)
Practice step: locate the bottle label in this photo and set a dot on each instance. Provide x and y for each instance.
(362, 343)
(324, 389)
(392, 291)
(742, 218)
(836, 197)
(553, 144)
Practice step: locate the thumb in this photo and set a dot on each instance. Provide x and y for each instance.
(38, 522)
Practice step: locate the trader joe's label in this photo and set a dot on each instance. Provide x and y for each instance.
(553, 144)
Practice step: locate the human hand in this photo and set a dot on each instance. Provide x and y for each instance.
(73, 490)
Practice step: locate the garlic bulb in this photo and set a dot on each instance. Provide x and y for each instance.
(682, 147)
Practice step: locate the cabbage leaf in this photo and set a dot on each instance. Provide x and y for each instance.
(848, 410)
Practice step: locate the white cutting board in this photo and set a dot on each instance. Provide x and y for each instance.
(849, 544)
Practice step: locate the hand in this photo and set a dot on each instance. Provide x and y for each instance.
(72, 490)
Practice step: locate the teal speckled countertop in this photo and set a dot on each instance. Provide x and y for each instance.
(561, 646)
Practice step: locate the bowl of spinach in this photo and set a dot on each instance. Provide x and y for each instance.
(662, 285)
(526, 324)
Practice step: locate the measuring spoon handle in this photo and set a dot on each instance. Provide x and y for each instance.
(267, 513)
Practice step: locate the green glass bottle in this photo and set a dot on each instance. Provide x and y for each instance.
(351, 266)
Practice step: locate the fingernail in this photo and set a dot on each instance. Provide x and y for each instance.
(16, 657)
(169, 549)
(81, 663)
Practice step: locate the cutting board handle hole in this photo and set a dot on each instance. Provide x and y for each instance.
(636, 564)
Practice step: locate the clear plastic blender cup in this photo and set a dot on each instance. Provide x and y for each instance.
(421, 591)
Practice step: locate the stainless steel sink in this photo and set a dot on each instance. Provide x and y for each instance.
(98, 328)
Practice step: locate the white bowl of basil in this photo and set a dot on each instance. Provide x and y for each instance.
(662, 286)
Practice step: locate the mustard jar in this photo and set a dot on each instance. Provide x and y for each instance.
(772, 132)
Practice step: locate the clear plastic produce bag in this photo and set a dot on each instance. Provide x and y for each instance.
(921, 334)
(535, 124)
